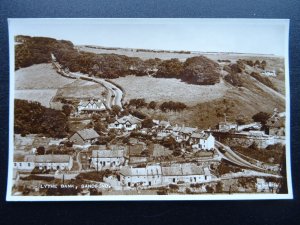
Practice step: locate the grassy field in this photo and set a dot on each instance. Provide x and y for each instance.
(171, 89)
(43, 96)
(81, 89)
(38, 83)
(41, 76)
(41, 83)
(181, 56)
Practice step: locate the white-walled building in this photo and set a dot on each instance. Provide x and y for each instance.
(145, 176)
(202, 140)
(128, 123)
(227, 126)
(269, 73)
(48, 162)
(91, 106)
(187, 173)
(155, 175)
(107, 159)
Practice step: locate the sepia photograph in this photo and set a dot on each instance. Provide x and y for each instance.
(149, 109)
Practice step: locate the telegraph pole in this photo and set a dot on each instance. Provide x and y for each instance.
(97, 161)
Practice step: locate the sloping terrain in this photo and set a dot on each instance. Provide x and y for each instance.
(38, 83)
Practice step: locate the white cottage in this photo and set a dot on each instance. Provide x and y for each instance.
(202, 140)
(91, 106)
(128, 123)
(107, 159)
(53, 162)
(187, 173)
(150, 175)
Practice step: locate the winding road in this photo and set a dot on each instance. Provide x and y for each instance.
(231, 156)
(115, 94)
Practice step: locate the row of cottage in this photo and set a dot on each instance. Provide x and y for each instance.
(44, 162)
(150, 175)
(156, 175)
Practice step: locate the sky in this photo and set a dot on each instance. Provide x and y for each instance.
(207, 35)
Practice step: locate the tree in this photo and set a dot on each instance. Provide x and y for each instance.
(170, 69)
(67, 109)
(116, 109)
(33, 118)
(152, 105)
(99, 127)
(147, 123)
(219, 187)
(261, 117)
(201, 70)
(40, 150)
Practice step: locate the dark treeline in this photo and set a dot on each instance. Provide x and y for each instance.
(35, 50)
(165, 106)
(33, 118)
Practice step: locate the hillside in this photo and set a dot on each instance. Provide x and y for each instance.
(35, 50)
(210, 84)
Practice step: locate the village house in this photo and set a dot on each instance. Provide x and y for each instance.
(107, 159)
(128, 123)
(269, 73)
(20, 163)
(227, 126)
(164, 124)
(187, 173)
(91, 106)
(266, 186)
(47, 162)
(276, 124)
(186, 132)
(202, 140)
(84, 136)
(145, 176)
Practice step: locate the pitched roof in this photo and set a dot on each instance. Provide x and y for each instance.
(107, 153)
(136, 149)
(131, 119)
(159, 150)
(188, 130)
(182, 170)
(88, 134)
(129, 171)
(92, 102)
(200, 135)
(164, 123)
(47, 158)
